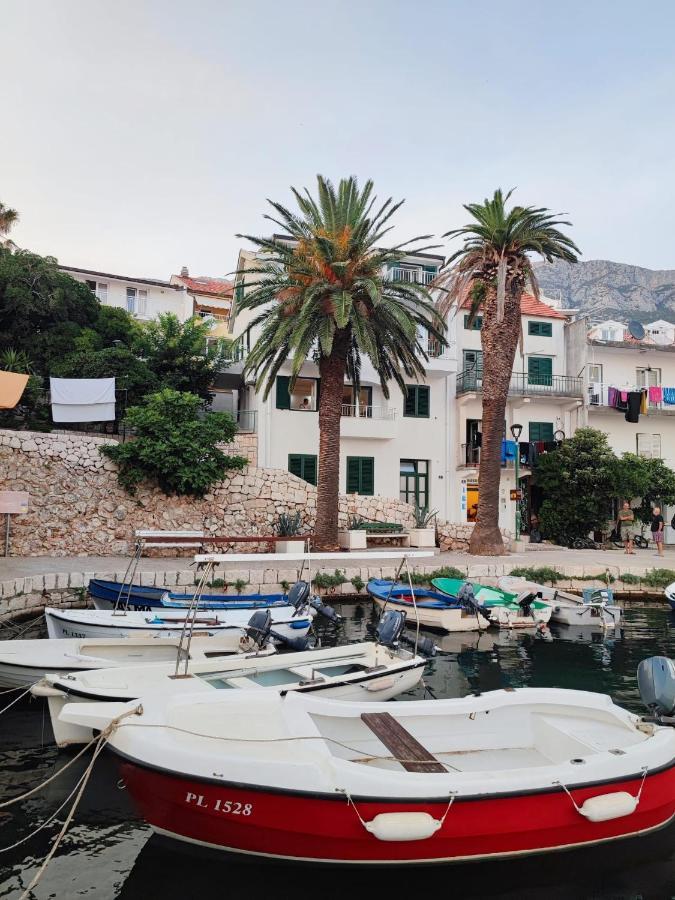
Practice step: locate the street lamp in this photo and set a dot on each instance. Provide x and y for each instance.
(516, 431)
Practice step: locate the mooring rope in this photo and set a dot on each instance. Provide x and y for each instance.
(16, 699)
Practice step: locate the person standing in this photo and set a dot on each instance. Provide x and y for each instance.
(657, 529)
(624, 525)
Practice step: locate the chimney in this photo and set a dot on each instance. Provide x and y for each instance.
(184, 272)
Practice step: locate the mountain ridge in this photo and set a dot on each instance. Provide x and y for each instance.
(609, 289)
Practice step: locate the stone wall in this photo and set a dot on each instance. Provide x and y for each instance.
(77, 507)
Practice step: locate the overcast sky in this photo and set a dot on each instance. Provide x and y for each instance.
(140, 136)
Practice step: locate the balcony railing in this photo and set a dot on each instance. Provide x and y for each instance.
(247, 420)
(354, 411)
(598, 395)
(524, 384)
(469, 457)
(416, 276)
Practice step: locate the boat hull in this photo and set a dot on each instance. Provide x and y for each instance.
(450, 619)
(326, 829)
(106, 595)
(587, 615)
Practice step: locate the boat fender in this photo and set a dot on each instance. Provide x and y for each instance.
(404, 826)
(609, 806)
(380, 684)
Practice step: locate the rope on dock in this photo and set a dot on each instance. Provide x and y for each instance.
(16, 699)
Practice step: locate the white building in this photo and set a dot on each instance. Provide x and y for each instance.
(397, 447)
(144, 298)
(545, 400)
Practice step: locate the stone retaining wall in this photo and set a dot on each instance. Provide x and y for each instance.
(77, 508)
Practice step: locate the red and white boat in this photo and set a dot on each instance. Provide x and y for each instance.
(305, 779)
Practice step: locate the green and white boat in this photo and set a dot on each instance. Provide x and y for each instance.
(505, 609)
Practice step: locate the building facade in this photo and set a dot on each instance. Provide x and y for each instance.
(143, 298)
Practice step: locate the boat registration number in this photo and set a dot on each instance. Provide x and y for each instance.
(230, 807)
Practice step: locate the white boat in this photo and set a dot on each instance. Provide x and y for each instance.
(303, 778)
(430, 608)
(593, 610)
(363, 672)
(287, 622)
(24, 662)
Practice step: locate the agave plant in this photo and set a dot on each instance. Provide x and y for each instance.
(321, 289)
(12, 360)
(424, 516)
(289, 524)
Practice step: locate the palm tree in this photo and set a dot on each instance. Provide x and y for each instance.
(490, 272)
(8, 218)
(322, 291)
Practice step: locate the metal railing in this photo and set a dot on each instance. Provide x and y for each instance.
(436, 351)
(469, 457)
(523, 384)
(415, 276)
(598, 395)
(357, 411)
(247, 420)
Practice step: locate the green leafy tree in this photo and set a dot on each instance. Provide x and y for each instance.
(32, 410)
(492, 270)
(649, 480)
(175, 445)
(579, 482)
(8, 219)
(321, 289)
(131, 373)
(114, 327)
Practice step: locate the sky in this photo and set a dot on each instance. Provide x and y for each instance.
(140, 136)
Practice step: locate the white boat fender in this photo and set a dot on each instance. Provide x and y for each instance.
(402, 826)
(380, 684)
(606, 807)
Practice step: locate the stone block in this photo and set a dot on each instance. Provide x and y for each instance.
(49, 582)
(76, 580)
(185, 576)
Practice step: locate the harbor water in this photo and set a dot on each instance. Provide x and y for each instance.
(108, 852)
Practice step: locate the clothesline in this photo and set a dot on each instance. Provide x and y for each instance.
(632, 401)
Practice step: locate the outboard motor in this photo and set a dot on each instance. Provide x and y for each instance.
(390, 632)
(259, 627)
(656, 680)
(326, 611)
(298, 596)
(525, 602)
(467, 598)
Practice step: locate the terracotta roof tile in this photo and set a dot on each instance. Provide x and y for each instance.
(530, 306)
(204, 285)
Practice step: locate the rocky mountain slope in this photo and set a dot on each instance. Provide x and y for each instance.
(611, 290)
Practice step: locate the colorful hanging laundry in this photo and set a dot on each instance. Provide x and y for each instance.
(83, 399)
(12, 386)
(669, 396)
(634, 403)
(655, 395)
(644, 405)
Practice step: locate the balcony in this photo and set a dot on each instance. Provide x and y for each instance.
(598, 401)
(524, 385)
(372, 422)
(412, 276)
(469, 458)
(247, 420)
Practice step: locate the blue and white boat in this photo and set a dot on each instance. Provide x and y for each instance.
(141, 598)
(670, 595)
(431, 608)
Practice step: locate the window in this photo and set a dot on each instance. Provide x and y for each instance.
(137, 301)
(357, 406)
(304, 396)
(476, 325)
(646, 378)
(540, 329)
(540, 370)
(361, 475)
(303, 465)
(100, 289)
(595, 373)
(541, 431)
(416, 401)
(414, 482)
(649, 445)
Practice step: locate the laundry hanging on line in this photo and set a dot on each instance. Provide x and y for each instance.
(12, 386)
(83, 399)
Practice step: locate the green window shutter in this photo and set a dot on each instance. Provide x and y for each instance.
(367, 476)
(310, 469)
(410, 400)
(540, 370)
(353, 474)
(541, 431)
(423, 401)
(295, 464)
(283, 393)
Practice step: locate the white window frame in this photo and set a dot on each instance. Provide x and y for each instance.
(648, 445)
(646, 378)
(139, 301)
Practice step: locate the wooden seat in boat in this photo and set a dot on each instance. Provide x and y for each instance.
(405, 748)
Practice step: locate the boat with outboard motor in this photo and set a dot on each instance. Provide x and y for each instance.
(291, 621)
(430, 608)
(112, 594)
(502, 608)
(302, 778)
(367, 671)
(595, 608)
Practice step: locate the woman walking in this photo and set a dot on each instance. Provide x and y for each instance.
(657, 529)
(624, 525)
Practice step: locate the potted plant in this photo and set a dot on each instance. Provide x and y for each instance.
(289, 525)
(354, 536)
(424, 532)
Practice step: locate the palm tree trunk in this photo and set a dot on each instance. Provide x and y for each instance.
(332, 372)
(499, 341)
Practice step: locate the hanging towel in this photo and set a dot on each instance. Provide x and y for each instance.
(524, 451)
(633, 411)
(12, 386)
(511, 449)
(644, 406)
(623, 396)
(655, 395)
(83, 399)
(669, 396)
(612, 396)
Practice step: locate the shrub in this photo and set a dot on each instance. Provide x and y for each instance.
(355, 523)
(324, 581)
(285, 586)
(629, 578)
(175, 445)
(218, 583)
(423, 516)
(425, 578)
(539, 574)
(289, 524)
(240, 584)
(607, 577)
(358, 583)
(659, 578)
